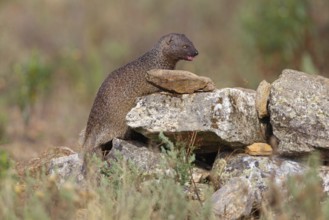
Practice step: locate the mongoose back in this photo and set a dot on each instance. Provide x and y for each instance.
(118, 92)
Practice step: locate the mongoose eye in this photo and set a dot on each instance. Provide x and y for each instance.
(185, 46)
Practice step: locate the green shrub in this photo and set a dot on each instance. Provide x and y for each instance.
(276, 30)
(180, 156)
(33, 81)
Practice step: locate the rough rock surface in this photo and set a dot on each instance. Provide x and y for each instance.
(179, 81)
(258, 170)
(145, 160)
(262, 96)
(67, 168)
(299, 112)
(324, 175)
(225, 117)
(234, 200)
(199, 191)
(153, 165)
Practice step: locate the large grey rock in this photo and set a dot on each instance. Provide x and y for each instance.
(234, 200)
(145, 160)
(260, 171)
(153, 165)
(223, 117)
(299, 112)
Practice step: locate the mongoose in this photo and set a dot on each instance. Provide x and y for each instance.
(118, 92)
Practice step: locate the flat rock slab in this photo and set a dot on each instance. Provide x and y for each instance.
(299, 112)
(179, 81)
(225, 117)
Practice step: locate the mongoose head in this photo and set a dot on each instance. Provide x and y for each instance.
(177, 47)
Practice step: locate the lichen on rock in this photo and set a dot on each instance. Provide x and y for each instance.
(299, 112)
(225, 117)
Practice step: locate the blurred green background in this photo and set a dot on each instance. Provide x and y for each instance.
(54, 54)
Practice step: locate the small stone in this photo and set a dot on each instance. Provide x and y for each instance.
(259, 149)
(179, 81)
(262, 97)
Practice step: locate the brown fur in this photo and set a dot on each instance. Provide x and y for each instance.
(118, 92)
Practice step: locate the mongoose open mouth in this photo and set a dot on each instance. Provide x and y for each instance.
(189, 58)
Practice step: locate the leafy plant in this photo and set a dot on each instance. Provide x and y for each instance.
(180, 156)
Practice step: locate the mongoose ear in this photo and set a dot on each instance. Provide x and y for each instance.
(170, 40)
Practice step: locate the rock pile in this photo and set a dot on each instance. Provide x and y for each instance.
(290, 116)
